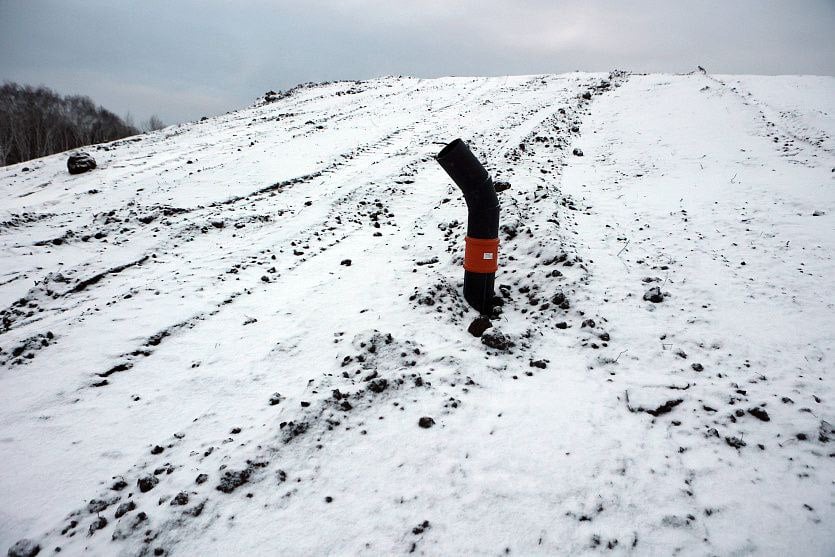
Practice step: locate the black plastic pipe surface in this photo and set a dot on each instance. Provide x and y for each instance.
(482, 219)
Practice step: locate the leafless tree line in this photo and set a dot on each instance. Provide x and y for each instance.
(36, 121)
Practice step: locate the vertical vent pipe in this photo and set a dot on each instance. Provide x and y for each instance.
(481, 248)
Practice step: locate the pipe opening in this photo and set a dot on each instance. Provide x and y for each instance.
(449, 148)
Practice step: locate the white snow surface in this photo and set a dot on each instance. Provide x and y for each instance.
(187, 308)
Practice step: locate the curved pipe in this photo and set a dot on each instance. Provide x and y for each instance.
(481, 254)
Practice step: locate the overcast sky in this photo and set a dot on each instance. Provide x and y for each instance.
(182, 59)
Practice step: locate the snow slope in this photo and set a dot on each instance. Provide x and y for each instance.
(185, 319)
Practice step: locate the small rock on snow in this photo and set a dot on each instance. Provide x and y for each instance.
(24, 548)
(479, 325)
(233, 479)
(759, 413)
(421, 528)
(97, 524)
(97, 505)
(180, 499)
(497, 340)
(80, 162)
(147, 483)
(124, 508)
(735, 442)
(426, 422)
(654, 295)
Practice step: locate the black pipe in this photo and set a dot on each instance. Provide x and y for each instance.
(482, 223)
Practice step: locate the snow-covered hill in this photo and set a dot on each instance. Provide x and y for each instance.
(222, 340)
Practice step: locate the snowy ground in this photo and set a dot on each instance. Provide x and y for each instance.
(186, 345)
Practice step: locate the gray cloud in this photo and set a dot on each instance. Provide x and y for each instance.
(188, 58)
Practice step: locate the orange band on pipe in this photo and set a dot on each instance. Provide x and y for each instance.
(481, 256)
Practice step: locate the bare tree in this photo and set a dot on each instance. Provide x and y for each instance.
(152, 124)
(128, 119)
